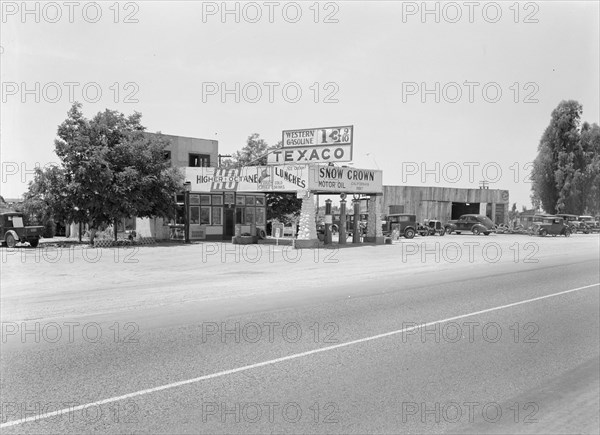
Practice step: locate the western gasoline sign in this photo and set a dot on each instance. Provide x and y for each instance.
(312, 154)
(318, 136)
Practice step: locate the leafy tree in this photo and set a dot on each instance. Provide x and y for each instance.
(561, 174)
(589, 182)
(110, 169)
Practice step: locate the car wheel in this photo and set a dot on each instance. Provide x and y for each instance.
(567, 233)
(10, 241)
(409, 233)
(476, 231)
(442, 232)
(458, 232)
(34, 243)
(543, 233)
(486, 233)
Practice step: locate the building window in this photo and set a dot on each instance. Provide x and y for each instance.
(194, 199)
(217, 200)
(205, 215)
(249, 215)
(199, 160)
(260, 216)
(194, 215)
(205, 199)
(217, 213)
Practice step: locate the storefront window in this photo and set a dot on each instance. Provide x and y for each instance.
(260, 200)
(240, 200)
(217, 200)
(260, 216)
(249, 200)
(229, 198)
(249, 215)
(217, 213)
(195, 199)
(240, 216)
(205, 199)
(205, 215)
(194, 215)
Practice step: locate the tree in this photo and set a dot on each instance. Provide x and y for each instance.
(561, 171)
(589, 182)
(284, 207)
(110, 169)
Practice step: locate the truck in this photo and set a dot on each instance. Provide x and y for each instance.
(13, 230)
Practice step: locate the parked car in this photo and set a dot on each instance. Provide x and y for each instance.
(13, 230)
(553, 225)
(572, 221)
(435, 227)
(589, 224)
(397, 225)
(474, 223)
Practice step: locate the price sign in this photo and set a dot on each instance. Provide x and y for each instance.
(318, 136)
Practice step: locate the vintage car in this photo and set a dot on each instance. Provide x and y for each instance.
(572, 221)
(435, 227)
(474, 223)
(397, 225)
(553, 225)
(13, 230)
(588, 224)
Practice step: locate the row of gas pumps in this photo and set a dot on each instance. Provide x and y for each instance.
(343, 233)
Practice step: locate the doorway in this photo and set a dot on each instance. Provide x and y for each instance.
(229, 228)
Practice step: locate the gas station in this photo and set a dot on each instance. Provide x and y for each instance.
(307, 170)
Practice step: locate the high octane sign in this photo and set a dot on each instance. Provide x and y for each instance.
(314, 145)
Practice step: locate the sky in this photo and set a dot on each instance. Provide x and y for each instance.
(439, 93)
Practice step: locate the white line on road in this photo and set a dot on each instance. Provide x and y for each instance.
(278, 360)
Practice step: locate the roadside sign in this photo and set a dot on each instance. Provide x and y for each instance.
(318, 136)
(310, 154)
(277, 230)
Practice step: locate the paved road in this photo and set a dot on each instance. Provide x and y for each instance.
(385, 340)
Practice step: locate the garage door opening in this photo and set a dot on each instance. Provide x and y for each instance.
(460, 208)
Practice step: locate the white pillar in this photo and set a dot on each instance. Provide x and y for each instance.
(307, 233)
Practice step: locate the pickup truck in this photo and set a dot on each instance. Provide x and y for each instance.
(12, 230)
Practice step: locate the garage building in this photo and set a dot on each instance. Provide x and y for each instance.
(445, 203)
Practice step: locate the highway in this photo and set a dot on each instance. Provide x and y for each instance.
(391, 339)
